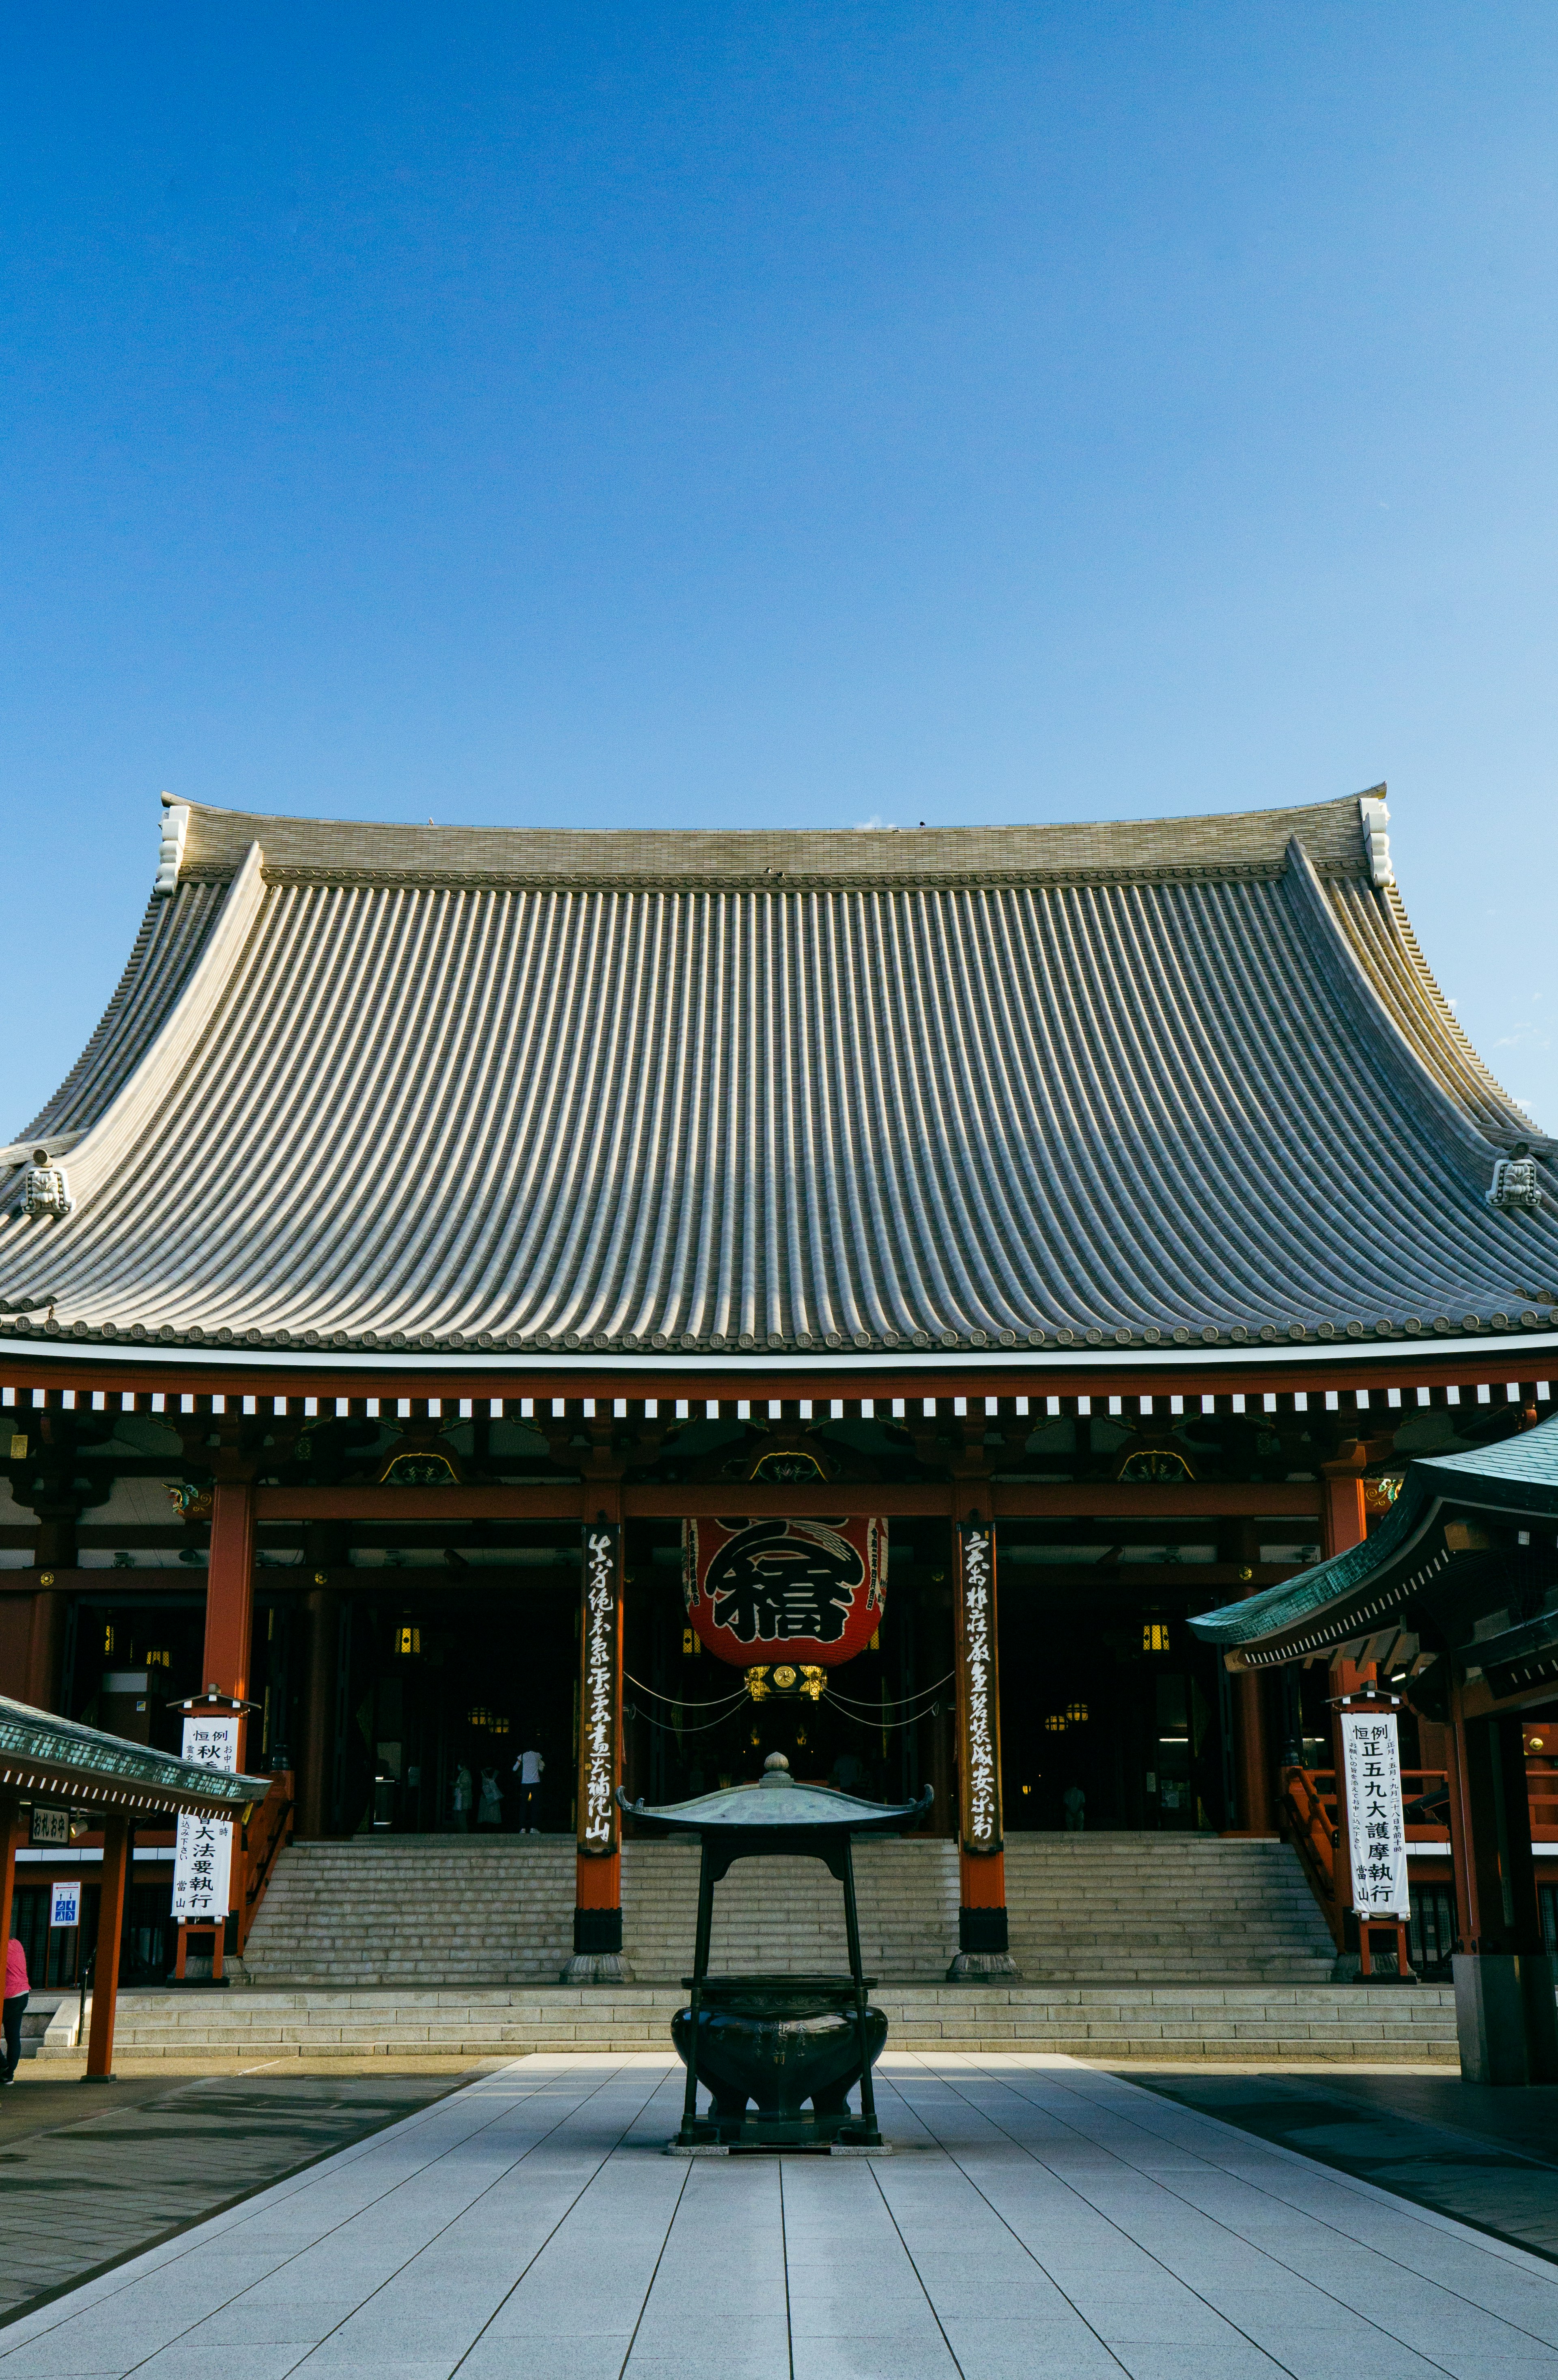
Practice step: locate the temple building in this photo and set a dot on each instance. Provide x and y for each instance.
(655, 1299)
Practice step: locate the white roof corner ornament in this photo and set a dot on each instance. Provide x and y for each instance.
(1375, 817)
(175, 827)
(1515, 1180)
(45, 1189)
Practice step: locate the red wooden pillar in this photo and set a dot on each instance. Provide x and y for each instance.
(1345, 1524)
(1343, 1518)
(110, 1936)
(598, 1957)
(43, 1639)
(229, 1593)
(1252, 1755)
(983, 1947)
(229, 1625)
(319, 1695)
(1468, 1919)
(11, 1814)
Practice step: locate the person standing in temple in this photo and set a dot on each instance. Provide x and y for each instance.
(489, 1809)
(463, 1798)
(1074, 1803)
(16, 1988)
(527, 1768)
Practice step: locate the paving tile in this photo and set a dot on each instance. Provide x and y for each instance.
(591, 2356)
(989, 2350)
(1166, 2359)
(529, 2225)
(1311, 2355)
(243, 2358)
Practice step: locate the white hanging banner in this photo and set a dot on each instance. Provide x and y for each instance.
(204, 1862)
(1376, 1826)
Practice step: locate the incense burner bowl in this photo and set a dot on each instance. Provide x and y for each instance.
(780, 2041)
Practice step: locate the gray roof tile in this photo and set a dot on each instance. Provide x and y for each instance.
(964, 1086)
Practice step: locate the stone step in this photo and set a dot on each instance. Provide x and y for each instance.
(1382, 2024)
(483, 1913)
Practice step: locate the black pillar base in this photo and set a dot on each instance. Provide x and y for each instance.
(982, 1929)
(597, 1957)
(983, 1952)
(597, 1931)
(1505, 2017)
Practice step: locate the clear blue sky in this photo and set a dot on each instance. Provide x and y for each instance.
(778, 414)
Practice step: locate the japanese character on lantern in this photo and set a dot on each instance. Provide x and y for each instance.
(814, 1589)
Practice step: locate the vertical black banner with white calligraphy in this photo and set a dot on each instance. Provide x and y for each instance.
(979, 1698)
(600, 1691)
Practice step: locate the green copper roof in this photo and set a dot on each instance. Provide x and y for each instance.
(1518, 1475)
(779, 1802)
(64, 1744)
(1527, 1460)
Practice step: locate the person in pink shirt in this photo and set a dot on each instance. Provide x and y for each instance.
(17, 1987)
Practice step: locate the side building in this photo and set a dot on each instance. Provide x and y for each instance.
(656, 1299)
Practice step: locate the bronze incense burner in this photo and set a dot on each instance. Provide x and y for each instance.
(779, 2052)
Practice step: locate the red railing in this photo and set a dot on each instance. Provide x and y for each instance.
(1541, 1784)
(1308, 1798)
(268, 1832)
(1310, 1813)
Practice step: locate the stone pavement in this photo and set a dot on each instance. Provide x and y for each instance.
(89, 2173)
(1490, 2158)
(1040, 2220)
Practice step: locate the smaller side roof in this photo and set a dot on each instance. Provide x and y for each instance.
(41, 1752)
(1517, 1479)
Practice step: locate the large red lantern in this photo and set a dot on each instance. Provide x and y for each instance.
(807, 1592)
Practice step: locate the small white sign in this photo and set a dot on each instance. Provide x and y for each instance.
(51, 1825)
(203, 1860)
(1376, 1825)
(65, 1902)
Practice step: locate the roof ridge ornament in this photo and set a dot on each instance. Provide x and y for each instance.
(174, 828)
(1515, 1180)
(1376, 817)
(44, 1187)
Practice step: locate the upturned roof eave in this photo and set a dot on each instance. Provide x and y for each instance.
(1391, 1559)
(75, 1753)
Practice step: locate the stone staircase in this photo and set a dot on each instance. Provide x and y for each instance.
(453, 1911)
(421, 1911)
(1131, 1946)
(1163, 1909)
(1378, 2024)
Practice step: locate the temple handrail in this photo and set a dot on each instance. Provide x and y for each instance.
(1311, 1821)
(267, 1833)
(1425, 1788)
(1308, 1802)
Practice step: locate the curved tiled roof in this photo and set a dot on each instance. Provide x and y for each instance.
(172, 936)
(1185, 1079)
